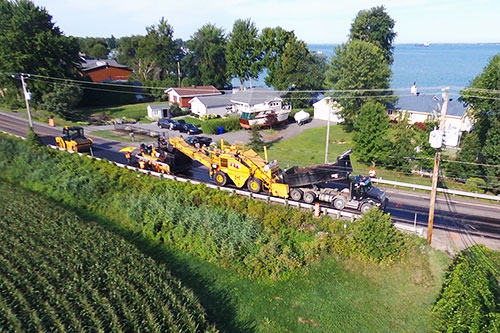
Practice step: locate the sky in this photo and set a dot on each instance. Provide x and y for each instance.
(314, 21)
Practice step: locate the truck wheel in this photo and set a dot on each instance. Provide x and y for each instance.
(365, 207)
(254, 185)
(309, 197)
(296, 194)
(220, 178)
(339, 203)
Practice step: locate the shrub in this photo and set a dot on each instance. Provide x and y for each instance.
(475, 184)
(176, 111)
(229, 124)
(470, 296)
(375, 238)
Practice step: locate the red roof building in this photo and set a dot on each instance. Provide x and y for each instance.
(182, 95)
(100, 70)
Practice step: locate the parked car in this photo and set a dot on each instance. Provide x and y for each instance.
(202, 140)
(164, 122)
(189, 129)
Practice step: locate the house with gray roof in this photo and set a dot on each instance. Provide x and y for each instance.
(259, 98)
(220, 105)
(421, 107)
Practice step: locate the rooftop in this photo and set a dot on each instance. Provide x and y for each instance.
(215, 101)
(255, 96)
(89, 63)
(427, 103)
(194, 91)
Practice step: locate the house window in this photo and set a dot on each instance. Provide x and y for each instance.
(389, 112)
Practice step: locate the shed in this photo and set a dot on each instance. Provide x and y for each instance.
(157, 111)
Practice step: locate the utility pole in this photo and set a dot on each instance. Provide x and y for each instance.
(435, 173)
(327, 136)
(27, 98)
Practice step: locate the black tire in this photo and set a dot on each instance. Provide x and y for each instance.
(220, 178)
(254, 185)
(296, 194)
(365, 207)
(309, 197)
(339, 203)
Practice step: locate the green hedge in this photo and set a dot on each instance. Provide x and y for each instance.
(470, 297)
(229, 124)
(252, 237)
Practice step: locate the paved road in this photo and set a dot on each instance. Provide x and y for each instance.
(458, 222)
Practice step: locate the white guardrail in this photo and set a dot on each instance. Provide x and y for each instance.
(439, 189)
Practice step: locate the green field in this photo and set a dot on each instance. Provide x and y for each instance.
(60, 273)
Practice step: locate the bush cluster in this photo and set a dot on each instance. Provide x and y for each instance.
(252, 237)
(229, 124)
(470, 297)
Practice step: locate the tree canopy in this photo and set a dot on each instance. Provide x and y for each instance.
(206, 61)
(243, 51)
(31, 43)
(273, 42)
(358, 66)
(481, 146)
(377, 27)
(371, 142)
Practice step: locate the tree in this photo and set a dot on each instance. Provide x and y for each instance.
(127, 50)
(31, 43)
(273, 42)
(158, 53)
(377, 27)
(360, 67)
(402, 145)
(207, 57)
(370, 136)
(256, 142)
(243, 51)
(63, 99)
(481, 146)
(299, 69)
(99, 51)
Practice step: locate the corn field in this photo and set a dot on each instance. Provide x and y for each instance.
(60, 273)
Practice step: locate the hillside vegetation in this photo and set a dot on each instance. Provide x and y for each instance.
(60, 273)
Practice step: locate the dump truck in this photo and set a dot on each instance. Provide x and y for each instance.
(328, 183)
(334, 183)
(73, 138)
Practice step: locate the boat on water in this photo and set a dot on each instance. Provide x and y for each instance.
(426, 44)
(265, 116)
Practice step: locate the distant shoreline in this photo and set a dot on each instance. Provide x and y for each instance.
(416, 43)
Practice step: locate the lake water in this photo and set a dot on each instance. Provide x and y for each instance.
(437, 65)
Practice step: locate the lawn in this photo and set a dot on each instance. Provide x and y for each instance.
(191, 120)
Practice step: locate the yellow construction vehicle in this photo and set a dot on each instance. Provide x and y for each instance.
(74, 139)
(241, 167)
(160, 159)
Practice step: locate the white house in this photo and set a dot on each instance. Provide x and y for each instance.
(325, 106)
(421, 107)
(157, 111)
(256, 98)
(219, 105)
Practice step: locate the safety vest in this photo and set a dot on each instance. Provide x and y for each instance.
(372, 173)
(127, 156)
(142, 164)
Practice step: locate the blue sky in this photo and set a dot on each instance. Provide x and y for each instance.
(314, 21)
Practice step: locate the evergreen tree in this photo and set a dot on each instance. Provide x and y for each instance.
(256, 141)
(371, 141)
(377, 27)
(243, 51)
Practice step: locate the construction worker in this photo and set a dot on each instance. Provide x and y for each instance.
(372, 172)
(142, 164)
(128, 156)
